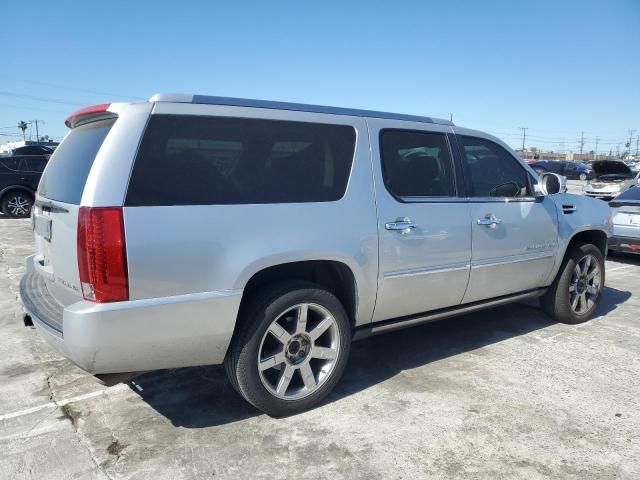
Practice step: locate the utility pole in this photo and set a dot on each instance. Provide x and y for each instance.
(637, 144)
(618, 151)
(631, 132)
(595, 153)
(524, 136)
(581, 142)
(37, 131)
(451, 117)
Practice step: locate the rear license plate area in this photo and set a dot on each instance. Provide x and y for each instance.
(42, 226)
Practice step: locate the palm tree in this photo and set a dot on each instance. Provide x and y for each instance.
(23, 126)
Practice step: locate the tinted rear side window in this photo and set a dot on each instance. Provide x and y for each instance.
(68, 168)
(196, 160)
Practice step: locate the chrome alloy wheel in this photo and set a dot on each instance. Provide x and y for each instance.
(18, 206)
(298, 351)
(585, 284)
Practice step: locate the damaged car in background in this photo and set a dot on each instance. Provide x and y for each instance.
(612, 177)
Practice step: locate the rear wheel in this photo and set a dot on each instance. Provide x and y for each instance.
(574, 295)
(17, 204)
(291, 348)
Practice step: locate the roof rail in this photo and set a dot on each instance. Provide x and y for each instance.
(297, 107)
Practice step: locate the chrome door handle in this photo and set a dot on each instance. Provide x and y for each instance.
(402, 224)
(489, 220)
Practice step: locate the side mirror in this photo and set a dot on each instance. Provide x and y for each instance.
(550, 184)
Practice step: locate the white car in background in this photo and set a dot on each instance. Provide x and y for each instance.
(612, 177)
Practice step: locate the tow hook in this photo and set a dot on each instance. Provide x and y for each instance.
(26, 318)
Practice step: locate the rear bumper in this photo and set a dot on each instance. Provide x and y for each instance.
(136, 335)
(625, 244)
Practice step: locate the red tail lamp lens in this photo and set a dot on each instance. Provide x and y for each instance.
(102, 254)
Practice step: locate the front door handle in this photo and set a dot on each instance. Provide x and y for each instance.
(402, 224)
(489, 220)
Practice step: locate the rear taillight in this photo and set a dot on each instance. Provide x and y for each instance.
(102, 254)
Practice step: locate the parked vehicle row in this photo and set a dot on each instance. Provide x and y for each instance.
(267, 236)
(571, 170)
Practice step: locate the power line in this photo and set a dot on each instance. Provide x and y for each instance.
(39, 99)
(73, 89)
(34, 109)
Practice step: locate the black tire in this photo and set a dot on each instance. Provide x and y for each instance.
(17, 204)
(556, 302)
(241, 361)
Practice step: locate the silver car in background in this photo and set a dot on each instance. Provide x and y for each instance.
(191, 230)
(626, 222)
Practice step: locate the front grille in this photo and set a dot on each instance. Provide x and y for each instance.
(40, 304)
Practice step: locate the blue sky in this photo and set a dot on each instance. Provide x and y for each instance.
(556, 67)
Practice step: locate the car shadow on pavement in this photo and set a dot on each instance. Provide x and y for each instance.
(628, 258)
(201, 397)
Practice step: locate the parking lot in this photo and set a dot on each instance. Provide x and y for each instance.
(504, 393)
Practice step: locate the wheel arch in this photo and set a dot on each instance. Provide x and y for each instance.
(11, 188)
(595, 237)
(335, 276)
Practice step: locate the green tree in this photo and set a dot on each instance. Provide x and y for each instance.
(23, 126)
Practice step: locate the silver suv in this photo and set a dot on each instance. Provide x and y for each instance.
(193, 230)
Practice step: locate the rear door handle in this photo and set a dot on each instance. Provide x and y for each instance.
(402, 224)
(489, 220)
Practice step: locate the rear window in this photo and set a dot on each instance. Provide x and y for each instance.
(196, 160)
(68, 168)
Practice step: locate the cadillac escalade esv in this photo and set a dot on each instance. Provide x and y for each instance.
(191, 230)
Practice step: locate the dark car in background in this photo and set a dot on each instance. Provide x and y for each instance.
(33, 150)
(571, 170)
(626, 221)
(19, 177)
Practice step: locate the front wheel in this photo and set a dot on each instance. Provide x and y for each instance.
(291, 348)
(574, 294)
(583, 176)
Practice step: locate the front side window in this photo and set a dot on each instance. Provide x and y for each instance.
(198, 160)
(493, 171)
(416, 164)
